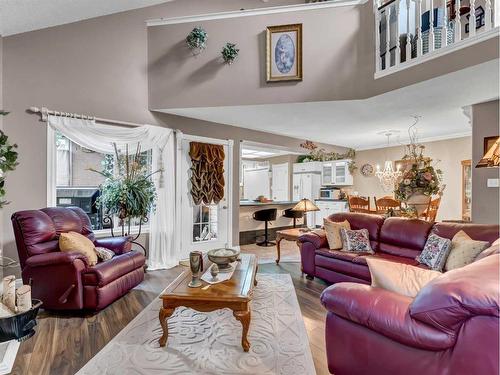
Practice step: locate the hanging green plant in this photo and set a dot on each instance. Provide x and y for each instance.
(229, 53)
(197, 39)
(8, 160)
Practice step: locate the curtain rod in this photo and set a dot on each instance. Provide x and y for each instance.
(45, 112)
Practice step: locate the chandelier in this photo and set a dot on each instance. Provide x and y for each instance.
(388, 176)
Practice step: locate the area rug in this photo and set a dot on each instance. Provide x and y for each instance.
(210, 343)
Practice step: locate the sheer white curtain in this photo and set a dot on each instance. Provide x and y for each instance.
(163, 252)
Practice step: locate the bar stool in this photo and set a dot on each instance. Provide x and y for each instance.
(266, 215)
(293, 215)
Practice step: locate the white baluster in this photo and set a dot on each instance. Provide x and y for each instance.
(387, 37)
(431, 26)
(397, 60)
(378, 62)
(419, 28)
(472, 18)
(444, 35)
(496, 13)
(408, 39)
(487, 15)
(458, 22)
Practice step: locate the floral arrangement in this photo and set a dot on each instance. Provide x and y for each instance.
(130, 193)
(197, 39)
(8, 160)
(422, 177)
(229, 53)
(320, 154)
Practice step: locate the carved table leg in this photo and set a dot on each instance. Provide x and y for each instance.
(244, 318)
(278, 249)
(164, 315)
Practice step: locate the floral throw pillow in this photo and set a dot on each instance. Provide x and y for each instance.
(104, 254)
(435, 252)
(357, 241)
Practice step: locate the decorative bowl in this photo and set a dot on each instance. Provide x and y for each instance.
(20, 326)
(222, 257)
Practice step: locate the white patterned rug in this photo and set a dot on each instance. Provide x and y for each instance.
(210, 343)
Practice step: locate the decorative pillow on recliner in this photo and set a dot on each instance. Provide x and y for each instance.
(463, 250)
(357, 241)
(104, 254)
(435, 252)
(333, 235)
(398, 277)
(73, 241)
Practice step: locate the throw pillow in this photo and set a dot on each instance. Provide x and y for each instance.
(463, 250)
(435, 252)
(332, 230)
(357, 241)
(104, 254)
(73, 241)
(493, 249)
(398, 277)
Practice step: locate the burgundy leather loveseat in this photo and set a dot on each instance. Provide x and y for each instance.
(65, 281)
(450, 328)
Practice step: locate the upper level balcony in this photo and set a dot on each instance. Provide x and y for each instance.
(407, 32)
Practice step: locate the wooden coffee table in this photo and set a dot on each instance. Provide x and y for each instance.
(235, 294)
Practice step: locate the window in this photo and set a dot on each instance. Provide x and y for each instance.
(204, 222)
(77, 185)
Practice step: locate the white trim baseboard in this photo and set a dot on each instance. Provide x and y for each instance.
(481, 37)
(253, 12)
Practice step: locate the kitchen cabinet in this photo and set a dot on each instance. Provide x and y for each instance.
(327, 208)
(336, 173)
(309, 167)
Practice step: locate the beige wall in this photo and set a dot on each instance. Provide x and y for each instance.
(485, 200)
(338, 61)
(450, 153)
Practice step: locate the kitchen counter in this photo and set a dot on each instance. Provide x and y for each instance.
(273, 203)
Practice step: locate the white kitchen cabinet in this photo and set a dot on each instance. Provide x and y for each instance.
(336, 173)
(327, 208)
(309, 167)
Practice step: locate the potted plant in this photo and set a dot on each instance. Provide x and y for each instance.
(197, 39)
(128, 190)
(229, 53)
(8, 160)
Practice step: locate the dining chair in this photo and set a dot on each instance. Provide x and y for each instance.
(359, 204)
(384, 204)
(431, 212)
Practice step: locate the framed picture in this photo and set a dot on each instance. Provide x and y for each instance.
(488, 143)
(284, 53)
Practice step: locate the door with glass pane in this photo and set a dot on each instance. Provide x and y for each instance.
(203, 227)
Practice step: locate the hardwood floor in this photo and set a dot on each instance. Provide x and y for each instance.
(65, 342)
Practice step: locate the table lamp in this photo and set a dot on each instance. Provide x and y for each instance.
(305, 205)
(492, 157)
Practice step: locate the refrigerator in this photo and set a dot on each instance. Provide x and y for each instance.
(306, 185)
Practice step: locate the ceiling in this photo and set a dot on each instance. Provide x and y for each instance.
(252, 150)
(18, 16)
(441, 102)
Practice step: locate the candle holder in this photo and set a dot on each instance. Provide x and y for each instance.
(196, 265)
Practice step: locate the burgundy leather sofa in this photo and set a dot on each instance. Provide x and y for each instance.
(65, 281)
(395, 239)
(450, 328)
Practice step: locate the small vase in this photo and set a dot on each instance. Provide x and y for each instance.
(419, 202)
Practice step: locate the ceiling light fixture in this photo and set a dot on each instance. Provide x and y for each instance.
(388, 176)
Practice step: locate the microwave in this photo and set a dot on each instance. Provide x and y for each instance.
(329, 193)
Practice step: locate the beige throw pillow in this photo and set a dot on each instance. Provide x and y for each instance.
(463, 250)
(332, 230)
(73, 241)
(398, 277)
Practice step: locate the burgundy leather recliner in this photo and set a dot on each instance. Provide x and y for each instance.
(450, 328)
(65, 281)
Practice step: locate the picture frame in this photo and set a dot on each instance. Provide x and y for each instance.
(284, 53)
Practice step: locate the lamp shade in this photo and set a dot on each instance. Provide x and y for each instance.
(492, 156)
(305, 205)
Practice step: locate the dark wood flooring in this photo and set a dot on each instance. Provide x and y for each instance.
(64, 343)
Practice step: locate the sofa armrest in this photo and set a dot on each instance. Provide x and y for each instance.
(316, 237)
(384, 312)
(55, 258)
(118, 245)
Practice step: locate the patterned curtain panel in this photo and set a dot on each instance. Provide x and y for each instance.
(207, 172)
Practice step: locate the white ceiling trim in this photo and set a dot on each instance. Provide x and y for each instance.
(253, 12)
